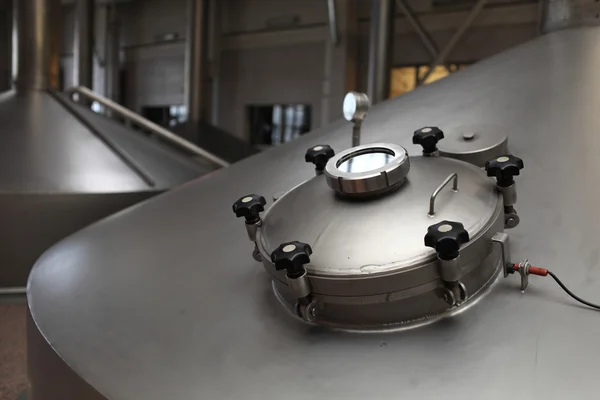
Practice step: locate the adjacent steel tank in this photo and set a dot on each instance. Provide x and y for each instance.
(165, 300)
(62, 166)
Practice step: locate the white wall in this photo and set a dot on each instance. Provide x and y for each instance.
(288, 74)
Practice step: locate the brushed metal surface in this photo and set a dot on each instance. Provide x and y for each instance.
(475, 144)
(165, 301)
(56, 176)
(45, 149)
(165, 165)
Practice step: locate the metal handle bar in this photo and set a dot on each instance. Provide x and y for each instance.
(439, 188)
(145, 123)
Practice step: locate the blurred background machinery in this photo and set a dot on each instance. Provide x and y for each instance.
(108, 102)
(64, 165)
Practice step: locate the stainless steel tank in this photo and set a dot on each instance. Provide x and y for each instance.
(165, 301)
(62, 166)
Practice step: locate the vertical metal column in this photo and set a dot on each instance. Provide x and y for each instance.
(333, 28)
(83, 44)
(380, 50)
(214, 58)
(112, 68)
(31, 59)
(340, 72)
(196, 66)
(5, 44)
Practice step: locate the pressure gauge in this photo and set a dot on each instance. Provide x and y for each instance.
(356, 105)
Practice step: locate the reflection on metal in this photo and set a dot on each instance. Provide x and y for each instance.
(127, 160)
(333, 29)
(147, 124)
(83, 43)
(380, 46)
(196, 68)
(441, 58)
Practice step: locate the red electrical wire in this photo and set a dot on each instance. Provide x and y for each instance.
(545, 272)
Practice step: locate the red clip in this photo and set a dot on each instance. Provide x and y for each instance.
(533, 270)
(538, 271)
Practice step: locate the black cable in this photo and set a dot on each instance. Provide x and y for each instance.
(562, 285)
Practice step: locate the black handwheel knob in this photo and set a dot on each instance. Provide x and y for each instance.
(428, 137)
(319, 155)
(291, 256)
(249, 207)
(504, 168)
(446, 237)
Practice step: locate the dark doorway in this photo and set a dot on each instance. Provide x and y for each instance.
(167, 116)
(275, 124)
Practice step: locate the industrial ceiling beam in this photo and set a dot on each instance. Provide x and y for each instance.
(422, 33)
(426, 39)
(441, 58)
